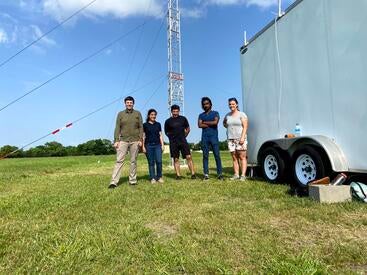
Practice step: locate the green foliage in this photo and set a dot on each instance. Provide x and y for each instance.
(56, 149)
(7, 149)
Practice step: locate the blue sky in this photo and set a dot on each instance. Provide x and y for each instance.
(212, 33)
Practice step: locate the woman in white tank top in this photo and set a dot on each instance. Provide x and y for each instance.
(236, 123)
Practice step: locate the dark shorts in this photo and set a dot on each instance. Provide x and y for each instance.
(177, 147)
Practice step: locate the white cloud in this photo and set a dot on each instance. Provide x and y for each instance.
(259, 3)
(38, 33)
(60, 9)
(3, 37)
(193, 13)
(202, 5)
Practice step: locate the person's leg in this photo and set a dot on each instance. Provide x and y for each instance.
(151, 158)
(218, 161)
(134, 151)
(236, 167)
(205, 148)
(232, 150)
(186, 153)
(120, 159)
(177, 167)
(158, 161)
(190, 163)
(175, 154)
(243, 161)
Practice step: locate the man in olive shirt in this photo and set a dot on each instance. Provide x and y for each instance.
(128, 138)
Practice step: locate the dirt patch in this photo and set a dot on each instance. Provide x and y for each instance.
(162, 229)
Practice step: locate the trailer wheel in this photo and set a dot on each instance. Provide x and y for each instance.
(272, 165)
(307, 166)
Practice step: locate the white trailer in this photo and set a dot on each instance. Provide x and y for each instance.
(308, 68)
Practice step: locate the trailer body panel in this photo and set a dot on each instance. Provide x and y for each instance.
(310, 67)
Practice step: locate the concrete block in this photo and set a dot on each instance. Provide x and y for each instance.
(329, 193)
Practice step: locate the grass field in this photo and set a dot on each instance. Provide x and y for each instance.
(57, 216)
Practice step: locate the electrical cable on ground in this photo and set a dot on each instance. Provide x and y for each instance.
(83, 117)
(72, 67)
(47, 33)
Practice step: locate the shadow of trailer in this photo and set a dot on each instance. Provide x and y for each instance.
(304, 76)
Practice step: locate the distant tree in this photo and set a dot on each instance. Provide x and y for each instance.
(96, 147)
(71, 151)
(54, 149)
(7, 149)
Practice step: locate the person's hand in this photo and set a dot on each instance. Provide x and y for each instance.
(140, 144)
(116, 144)
(144, 150)
(242, 141)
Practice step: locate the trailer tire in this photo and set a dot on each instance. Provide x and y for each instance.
(308, 165)
(272, 165)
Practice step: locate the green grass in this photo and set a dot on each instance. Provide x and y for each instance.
(57, 216)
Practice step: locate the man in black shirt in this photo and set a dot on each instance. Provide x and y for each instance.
(177, 128)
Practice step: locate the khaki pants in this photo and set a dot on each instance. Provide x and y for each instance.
(122, 150)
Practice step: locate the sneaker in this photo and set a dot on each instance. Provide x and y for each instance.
(112, 186)
(206, 177)
(178, 178)
(193, 177)
(220, 177)
(153, 181)
(160, 180)
(235, 177)
(242, 178)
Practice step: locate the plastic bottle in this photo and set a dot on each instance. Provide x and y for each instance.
(297, 130)
(339, 179)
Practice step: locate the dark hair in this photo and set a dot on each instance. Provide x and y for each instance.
(129, 98)
(235, 100)
(205, 98)
(175, 107)
(149, 112)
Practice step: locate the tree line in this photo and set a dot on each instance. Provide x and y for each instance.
(91, 147)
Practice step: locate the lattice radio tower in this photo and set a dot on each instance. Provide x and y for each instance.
(175, 75)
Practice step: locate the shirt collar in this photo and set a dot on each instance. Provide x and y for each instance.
(129, 112)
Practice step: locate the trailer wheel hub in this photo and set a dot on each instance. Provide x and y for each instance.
(306, 169)
(271, 167)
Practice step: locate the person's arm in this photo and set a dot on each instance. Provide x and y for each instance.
(161, 139)
(117, 132)
(141, 132)
(225, 122)
(187, 127)
(202, 124)
(166, 128)
(212, 123)
(244, 121)
(143, 144)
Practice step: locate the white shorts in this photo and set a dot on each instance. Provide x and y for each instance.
(234, 145)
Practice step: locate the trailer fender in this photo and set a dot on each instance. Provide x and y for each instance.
(335, 154)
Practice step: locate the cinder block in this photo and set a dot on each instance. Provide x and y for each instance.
(329, 193)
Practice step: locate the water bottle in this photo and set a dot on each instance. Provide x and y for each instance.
(297, 130)
(339, 179)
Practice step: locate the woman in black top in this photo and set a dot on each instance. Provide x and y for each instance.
(153, 146)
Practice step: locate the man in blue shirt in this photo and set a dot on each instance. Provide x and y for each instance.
(208, 122)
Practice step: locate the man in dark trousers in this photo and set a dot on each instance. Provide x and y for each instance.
(176, 129)
(208, 122)
(128, 138)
